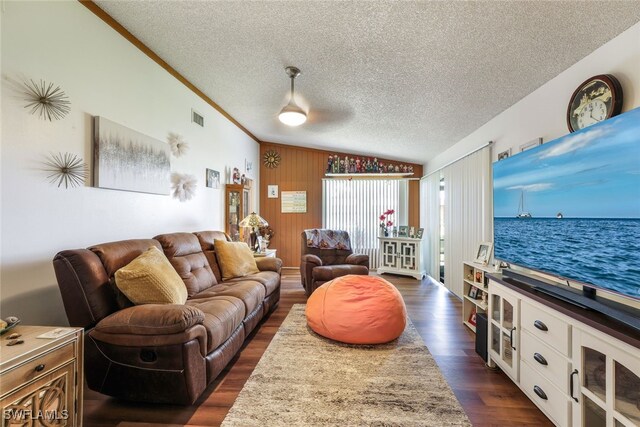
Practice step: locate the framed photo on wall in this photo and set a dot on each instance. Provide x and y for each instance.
(504, 155)
(533, 143)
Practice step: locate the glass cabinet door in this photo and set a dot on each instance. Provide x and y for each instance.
(503, 337)
(606, 384)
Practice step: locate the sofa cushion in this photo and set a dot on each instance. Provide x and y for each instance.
(151, 319)
(222, 316)
(185, 254)
(207, 240)
(115, 255)
(150, 279)
(269, 279)
(251, 293)
(235, 259)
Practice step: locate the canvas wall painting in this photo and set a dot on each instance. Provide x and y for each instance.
(128, 160)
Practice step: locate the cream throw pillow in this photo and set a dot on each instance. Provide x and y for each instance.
(235, 259)
(151, 279)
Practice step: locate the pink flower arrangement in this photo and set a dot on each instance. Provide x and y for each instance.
(385, 221)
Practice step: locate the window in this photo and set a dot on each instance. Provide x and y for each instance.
(356, 205)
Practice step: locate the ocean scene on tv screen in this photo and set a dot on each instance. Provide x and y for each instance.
(571, 206)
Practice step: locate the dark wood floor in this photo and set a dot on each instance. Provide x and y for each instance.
(488, 397)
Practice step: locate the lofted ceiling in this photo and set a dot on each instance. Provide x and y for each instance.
(402, 80)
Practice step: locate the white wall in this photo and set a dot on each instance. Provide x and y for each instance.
(104, 75)
(542, 113)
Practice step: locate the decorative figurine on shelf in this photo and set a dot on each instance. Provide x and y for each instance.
(236, 176)
(346, 164)
(368, 166)
(375, 165)
(243, 179)
(397, 169)
(352, 165)
(357, 164)
(390, 168)
(410, 169)
(381, 167)
(336, 164)
(330, 164)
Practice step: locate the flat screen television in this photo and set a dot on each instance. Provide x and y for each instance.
(571, 207)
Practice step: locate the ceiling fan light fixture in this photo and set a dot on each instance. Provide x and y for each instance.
(292, 114)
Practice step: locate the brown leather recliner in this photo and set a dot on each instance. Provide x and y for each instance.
(162, 353)
(318, 266)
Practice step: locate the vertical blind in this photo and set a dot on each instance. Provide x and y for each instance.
(356, 205)
(467, 217)
(430, 221)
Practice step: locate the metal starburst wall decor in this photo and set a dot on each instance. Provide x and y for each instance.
(67, 169)
(45, 100)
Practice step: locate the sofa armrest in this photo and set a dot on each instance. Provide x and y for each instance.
(269, 264)
(358, 260)
(311, 259)
(151, 319)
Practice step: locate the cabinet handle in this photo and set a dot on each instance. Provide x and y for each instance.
(540, 359)
(575, 372)
(511, 337)
(541, 394)
(39, 368)
(538, 324)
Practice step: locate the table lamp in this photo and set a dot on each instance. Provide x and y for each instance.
(254, 221)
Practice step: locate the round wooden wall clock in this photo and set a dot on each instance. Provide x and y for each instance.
(595, 100)
(271, 159)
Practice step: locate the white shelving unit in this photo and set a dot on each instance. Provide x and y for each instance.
(474, 280)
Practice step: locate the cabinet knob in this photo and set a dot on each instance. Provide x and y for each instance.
(541, 394)
(540, 359)
(540, 325)
(40, 368)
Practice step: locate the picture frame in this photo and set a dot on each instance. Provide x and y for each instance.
(478, 277)
(473, 292)
(472, 317)
(483, 255)
(272, 191)
(419, 233)
(403, 231)
(213, 178)
(412, 232)
(504, 154)
(530, 144)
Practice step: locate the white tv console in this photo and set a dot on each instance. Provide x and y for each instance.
(579, 367)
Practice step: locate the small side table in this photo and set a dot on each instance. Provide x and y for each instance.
(269, 253)
(42, 377)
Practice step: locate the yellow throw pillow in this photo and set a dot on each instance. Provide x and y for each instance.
(235, 259)
(151, 279)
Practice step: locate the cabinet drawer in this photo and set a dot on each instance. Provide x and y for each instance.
(545, 326)
(556, 406)
(536, 354)
(39, 366)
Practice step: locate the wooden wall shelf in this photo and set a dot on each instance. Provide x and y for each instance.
(370, 175)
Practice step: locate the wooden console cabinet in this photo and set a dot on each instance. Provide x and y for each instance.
(401, 255)
(578, 367)
(41, 380)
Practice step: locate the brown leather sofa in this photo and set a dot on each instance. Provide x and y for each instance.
(318, 266)
(162, 353)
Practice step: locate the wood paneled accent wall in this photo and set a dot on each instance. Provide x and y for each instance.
(302, 169)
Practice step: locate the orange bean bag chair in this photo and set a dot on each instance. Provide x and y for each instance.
(357, 309)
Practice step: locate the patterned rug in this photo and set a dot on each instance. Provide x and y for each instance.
(304, 379)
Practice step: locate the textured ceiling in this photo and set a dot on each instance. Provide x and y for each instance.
(401, 79)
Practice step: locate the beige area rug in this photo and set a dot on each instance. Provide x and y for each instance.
(304, 379)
